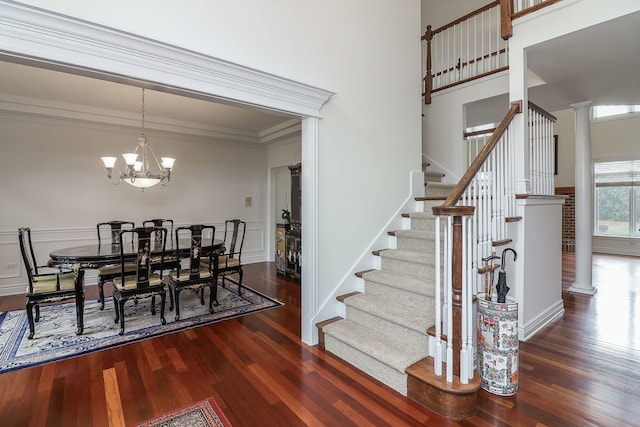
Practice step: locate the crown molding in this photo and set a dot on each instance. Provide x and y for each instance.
(281, 131)
(31, 109)
(33, 35)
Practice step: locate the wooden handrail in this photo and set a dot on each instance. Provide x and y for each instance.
(532, 9)
(456, 193)
(542, 111)
(478, 132)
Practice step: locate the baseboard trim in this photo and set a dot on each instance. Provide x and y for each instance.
(532, 327)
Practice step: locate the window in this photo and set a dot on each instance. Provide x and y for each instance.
(617, 198)
(600, 111)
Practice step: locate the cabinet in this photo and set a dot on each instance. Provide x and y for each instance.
(281, 248)
(293, 236)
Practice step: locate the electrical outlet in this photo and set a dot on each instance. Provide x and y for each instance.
(248, 201)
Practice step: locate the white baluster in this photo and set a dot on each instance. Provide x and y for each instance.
(464, 374)
(449, 297)
(437, 360)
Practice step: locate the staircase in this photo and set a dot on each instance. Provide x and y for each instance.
(385, 329)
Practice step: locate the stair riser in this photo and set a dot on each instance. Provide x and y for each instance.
(382, 372)
(410, 338)
(432, 176)
(428, 205)
(425, 246)
(413, 300)
(424, 224)
(407, 267)
(437, 191)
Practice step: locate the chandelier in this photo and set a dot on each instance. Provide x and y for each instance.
(139, 172)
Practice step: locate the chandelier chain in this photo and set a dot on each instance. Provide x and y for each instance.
(143, 111)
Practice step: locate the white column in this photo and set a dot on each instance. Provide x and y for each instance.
(584, 200)
(518, 91)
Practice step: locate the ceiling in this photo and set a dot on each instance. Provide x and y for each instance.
(30, 88)
(600, 63)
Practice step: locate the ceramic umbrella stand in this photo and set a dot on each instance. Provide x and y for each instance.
(498, 345)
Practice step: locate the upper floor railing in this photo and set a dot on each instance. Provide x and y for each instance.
(474, 45)
(465, 49)
(542, 151)
(523, 7)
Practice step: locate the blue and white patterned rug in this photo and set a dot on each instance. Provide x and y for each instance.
(55, 336)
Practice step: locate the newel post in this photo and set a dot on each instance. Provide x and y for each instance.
(506, 23)
(457, 212)
(428, 79)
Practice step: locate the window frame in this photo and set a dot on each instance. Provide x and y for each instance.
(633, 184)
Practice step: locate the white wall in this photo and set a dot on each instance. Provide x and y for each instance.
(611, 139)
(537, 287)
(434, 14)
(444, 122)
(367, 51)
(55, 184)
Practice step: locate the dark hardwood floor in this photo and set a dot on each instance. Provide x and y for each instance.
(583, 370)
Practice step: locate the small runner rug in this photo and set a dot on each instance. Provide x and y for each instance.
(55, 337)
(202, 414)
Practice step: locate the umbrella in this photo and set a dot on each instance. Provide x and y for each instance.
(488, 278)
(502, 287)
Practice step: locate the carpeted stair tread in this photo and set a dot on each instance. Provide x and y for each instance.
(422, 241)
(425, 214)
(400, 314)
(419, 234)
(374, 344)
(406, 255)
(414, 234)
(418, 285)
(418, 263)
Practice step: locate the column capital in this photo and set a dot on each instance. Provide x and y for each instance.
(578, 105)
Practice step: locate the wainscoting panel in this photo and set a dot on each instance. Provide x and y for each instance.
(13, 278)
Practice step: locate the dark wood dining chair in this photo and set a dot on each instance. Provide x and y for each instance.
(193, 274)
(168, 224)
(113, 229)
(230, 262)
(49, 285)
(109, 272)
(160, 222)
(148, 280)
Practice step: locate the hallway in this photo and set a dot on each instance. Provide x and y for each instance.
(580, 371)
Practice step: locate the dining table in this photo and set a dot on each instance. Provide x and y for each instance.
(97, 255)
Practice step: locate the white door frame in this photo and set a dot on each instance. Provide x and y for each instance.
(49, 40)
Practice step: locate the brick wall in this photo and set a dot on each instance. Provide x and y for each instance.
(568, 218)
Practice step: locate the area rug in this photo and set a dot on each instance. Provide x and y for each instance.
(202, 414)
(55, 337)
